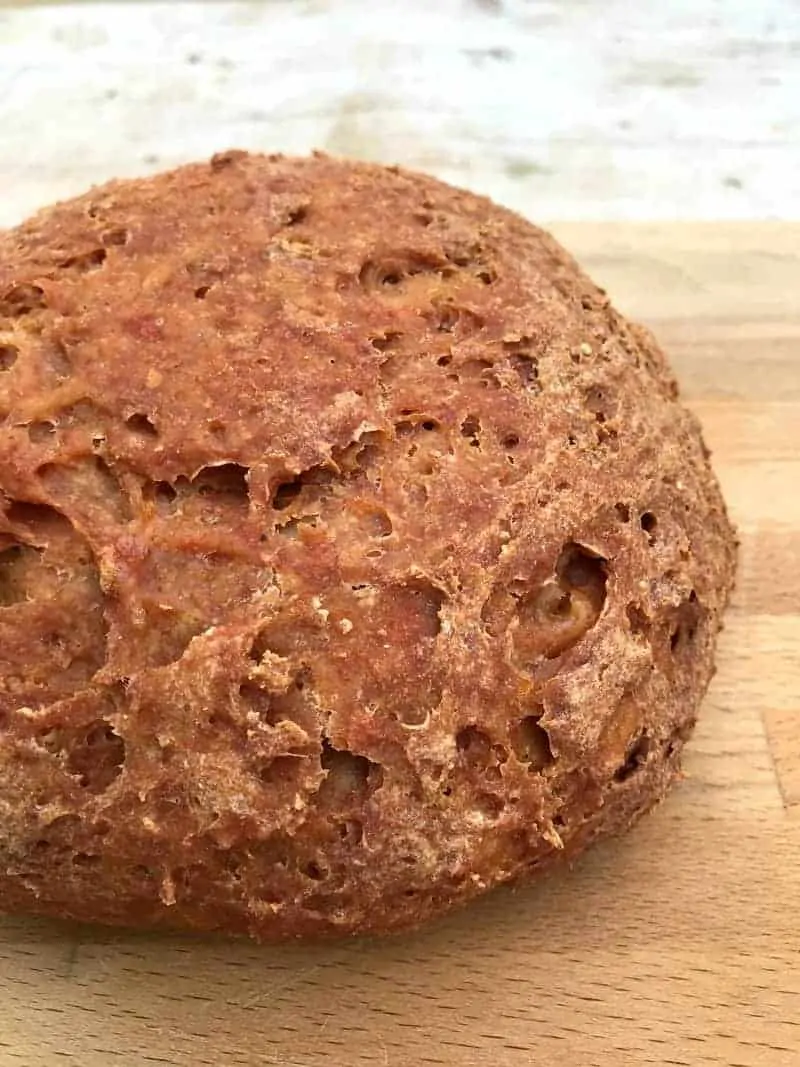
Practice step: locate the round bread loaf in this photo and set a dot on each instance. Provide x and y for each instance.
(355, 554)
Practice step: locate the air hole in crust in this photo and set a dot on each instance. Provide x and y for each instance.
(524, 363)
(86, 859)
(634, 759)
(164, 496)
(281, 770)
(490, 805)
(21, 300)
(638, 622)
(57, 360)
(296, 215)
(385, 341)
(41, 433)
(349, 776)
(600, 403)
(378, 522)
(554, 615)
(351, 831)
(686, 623)
(422, 603)
(286, 493)
(448, 317)
(471, 429)
(222, 489)
(141, 424)
(678, 737)
(85, 262)
(224, 480)
(8, 357)
(94, 754)
(531, 743)
(581, 569)
(285, 639)
(474, 745)
(380, 275)
(350, 462)
(648, 522)
(527, 370)
(19, 565)
(291, 705)
(256, 699)
(115, 237)
(23, 513)
(480, 371)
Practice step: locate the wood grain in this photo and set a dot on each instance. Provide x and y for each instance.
(784, 737)
(679, 944)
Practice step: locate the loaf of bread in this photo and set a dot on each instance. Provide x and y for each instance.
(356, 555)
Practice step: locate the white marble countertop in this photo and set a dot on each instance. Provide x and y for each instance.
(564, 109)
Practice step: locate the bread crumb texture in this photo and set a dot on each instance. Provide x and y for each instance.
(355, 554)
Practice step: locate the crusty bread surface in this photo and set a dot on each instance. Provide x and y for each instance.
(355, 554)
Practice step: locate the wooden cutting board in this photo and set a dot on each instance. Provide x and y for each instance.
(677, 945)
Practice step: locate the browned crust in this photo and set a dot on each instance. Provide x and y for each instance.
(355, 554)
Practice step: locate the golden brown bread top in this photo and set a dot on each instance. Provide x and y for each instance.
(355, 554)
